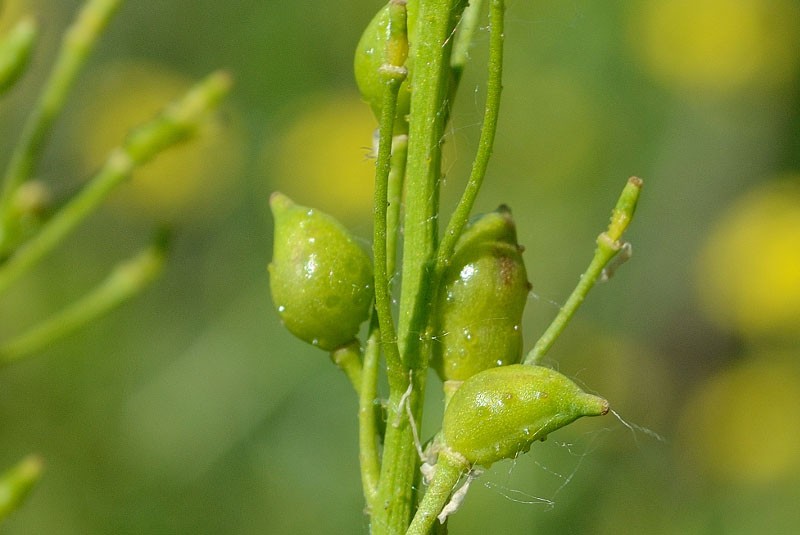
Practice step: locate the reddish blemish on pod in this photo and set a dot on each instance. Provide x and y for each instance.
(483, 295)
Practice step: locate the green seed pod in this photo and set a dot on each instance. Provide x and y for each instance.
(370, 55)
(321, 279)
(498, 413)
(483, 295)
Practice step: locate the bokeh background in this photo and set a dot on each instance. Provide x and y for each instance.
(190, 409)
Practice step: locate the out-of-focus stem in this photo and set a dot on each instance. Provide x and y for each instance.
(176, 123)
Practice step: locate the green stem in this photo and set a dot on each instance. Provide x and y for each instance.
(470, 22)
(395, 199)
(392, 73)
(368, 434)
(176, 123)
(608, 245)
(15, 51)
(125, 280)
(77, 44)
(436, 20)
(348, 359)
(449, 469)
(486, 142)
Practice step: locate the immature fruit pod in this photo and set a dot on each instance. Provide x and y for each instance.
(483, 295)
(498, 413)
(321, 280)
(371, 55)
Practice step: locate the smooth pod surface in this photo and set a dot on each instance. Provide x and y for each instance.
(320, 278)
(498, 413)
(482, 299)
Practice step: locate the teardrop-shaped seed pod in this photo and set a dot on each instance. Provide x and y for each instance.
(481, 301)
(371, 55)
(498, 413)
(321, 279)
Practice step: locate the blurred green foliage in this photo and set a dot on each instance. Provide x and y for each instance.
(191, 410)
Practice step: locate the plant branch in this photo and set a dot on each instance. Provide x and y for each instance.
(392, 74)
(177, 122)
(125, 281)
(466, 33)
(494, 85)
(449, 469)
(348, 359)
(368, 434)
(608, 245)
(431, 50)
(78, 42)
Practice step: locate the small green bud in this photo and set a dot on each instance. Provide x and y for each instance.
(371, 56)
(498, 413)
(483, 295)
(321, 279)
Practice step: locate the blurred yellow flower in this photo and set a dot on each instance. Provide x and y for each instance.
(187, 181)
(718, 45)
(323, 159)
(742, 424)
(748, 272)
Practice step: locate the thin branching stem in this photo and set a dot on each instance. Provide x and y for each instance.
(125, 281)
(176, 123)
(368, 435)
(486, 142)
(392, 73)
(608, 245)
(79, 40)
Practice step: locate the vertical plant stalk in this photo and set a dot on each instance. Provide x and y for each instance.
(394, 200)
(494, 87)
(466, 32)
(436, 21)
(368, 435)
(392, 73)
(78, 43)
(608, 245)
(177, 122)
(124, 281)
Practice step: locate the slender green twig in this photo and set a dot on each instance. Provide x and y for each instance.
(368, 434)
(608, 245)
(392, 73)
(17, 482)
(394, 200)
(486, 142)
(466, 33)
(78, 43)
(449, 469)
(177, 122)
(15, 51)
(125, 280)
(348, 359)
